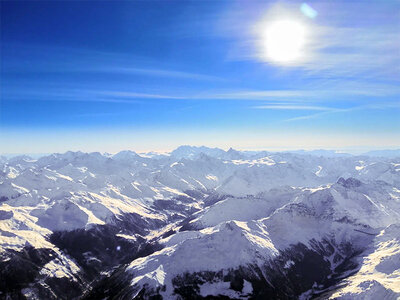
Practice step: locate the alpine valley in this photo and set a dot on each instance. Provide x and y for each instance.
(200, 223)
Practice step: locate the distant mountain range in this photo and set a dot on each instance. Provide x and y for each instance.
(187, 150)
(200, 223)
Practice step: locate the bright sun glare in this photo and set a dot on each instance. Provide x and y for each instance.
(284, 41)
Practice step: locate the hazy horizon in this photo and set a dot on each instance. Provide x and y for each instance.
(350, 151)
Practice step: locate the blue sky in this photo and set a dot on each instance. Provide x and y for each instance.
(113, 75)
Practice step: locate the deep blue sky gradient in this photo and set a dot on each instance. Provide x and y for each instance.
(163, 70)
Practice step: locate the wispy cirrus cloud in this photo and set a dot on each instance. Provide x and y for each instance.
(320, 92)
(376, 106)
(75, 60)
(123, 96)
(155, 72)
(63, 95)
(294, 107)
(272, 95)
(135, 95)
(314, 116)
(256, 95)
(355, 52)
(295, 99)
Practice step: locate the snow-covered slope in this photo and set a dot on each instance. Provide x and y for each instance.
(334, 222)
(379, 275)
(199, 222)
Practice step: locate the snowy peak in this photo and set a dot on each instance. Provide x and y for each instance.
(126, 156)
(191, 152)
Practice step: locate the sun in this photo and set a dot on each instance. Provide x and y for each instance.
(284, 41)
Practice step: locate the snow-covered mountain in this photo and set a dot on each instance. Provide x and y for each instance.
(384, 153)
(200, 223)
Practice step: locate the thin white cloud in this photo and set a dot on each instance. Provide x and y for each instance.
(307, 117)
(294, 107)
(75, 60)
(100, 114)
(159, 73)
(377, 106)
(258, 95)
(289, 97)
(368, 52)
(315, 93)
(122, 94)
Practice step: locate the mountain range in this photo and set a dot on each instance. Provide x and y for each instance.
(200, 223)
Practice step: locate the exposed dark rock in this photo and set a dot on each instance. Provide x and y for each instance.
(186, 225)
(19, 269)
(214, 198)
(4, 215)
(277, 279)
(136, 224)
(96, 249)
(349, 182)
